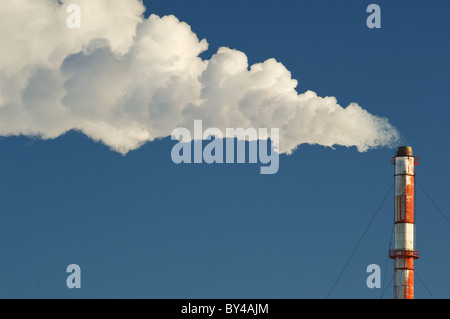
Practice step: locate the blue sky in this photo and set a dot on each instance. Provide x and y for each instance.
(141, 226)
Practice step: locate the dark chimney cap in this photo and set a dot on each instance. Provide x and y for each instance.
(404, 151)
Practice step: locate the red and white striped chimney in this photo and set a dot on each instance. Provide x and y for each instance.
(404, 252)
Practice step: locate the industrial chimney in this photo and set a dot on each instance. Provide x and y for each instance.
(404, 252)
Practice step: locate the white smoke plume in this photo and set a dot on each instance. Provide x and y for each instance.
(124, 80)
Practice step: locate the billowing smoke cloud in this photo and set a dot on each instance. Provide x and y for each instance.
(125, 80)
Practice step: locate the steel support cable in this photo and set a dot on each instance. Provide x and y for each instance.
(387, 261)
(418, 277)
(385, 289)
(443, 216)
(435, 205)
(360, 240)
